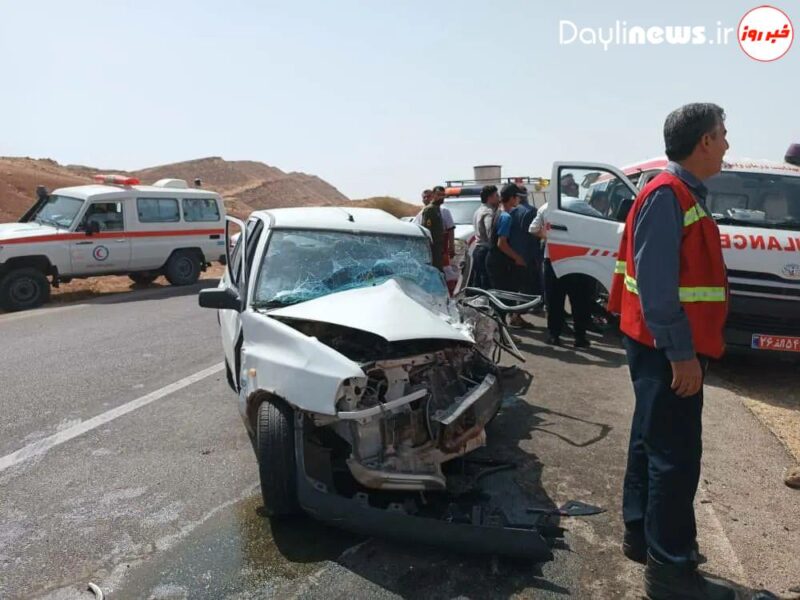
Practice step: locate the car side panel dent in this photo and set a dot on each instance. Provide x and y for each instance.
(300, 369)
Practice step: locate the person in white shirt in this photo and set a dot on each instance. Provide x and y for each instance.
(558, 288)
(426, 199)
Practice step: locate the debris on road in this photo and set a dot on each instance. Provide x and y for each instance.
(98, 593)
(792, 478)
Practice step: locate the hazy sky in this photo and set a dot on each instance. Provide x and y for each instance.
(376, 97)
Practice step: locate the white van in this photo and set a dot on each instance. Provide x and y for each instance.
(116, 227)
(756, 204)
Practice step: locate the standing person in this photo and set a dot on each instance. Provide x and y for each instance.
(527, 246)
(449, 224)
(502, 258)
(426, 199)
(482, 224)
(522, 243)
(556, 289)
(431, 219)
(670, 288)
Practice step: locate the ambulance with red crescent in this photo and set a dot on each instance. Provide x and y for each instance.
(115, 227)
(756, 204)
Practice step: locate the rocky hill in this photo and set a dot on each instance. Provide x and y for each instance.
(245, 185)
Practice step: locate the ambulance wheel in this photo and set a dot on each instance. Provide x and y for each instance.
(143, 278)
(22, 289)
(183, 268)
(277, 470)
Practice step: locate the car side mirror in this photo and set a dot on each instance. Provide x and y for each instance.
(92, 227)
(221, 299)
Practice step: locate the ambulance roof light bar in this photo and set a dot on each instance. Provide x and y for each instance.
(116, 180)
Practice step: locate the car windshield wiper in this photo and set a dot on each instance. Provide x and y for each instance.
(47, 222)
(266, 305)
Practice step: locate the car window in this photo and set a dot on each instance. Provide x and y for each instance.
(158, 210)
(200, 209)
(755, 199)
(462, 210)
(107, 215)
(594, 192)
(236, 255)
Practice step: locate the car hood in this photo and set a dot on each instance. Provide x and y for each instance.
(10, 231)
(392, 310)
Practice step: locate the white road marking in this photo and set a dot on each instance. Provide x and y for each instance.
(43, 445)
(38, 312)
(725, 553)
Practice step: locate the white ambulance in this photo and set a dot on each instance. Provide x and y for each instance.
(756, 204)
(116, 227)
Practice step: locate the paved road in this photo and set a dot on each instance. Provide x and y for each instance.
(123, 461)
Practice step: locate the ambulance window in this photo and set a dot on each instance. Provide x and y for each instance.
(594, 192)
(157, 210)
(107, 215)
(200, 209)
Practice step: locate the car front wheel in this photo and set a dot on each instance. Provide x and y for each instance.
(274, 445)
(23, 289)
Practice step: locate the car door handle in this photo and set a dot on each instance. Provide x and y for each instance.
(122, 241)
(84, 243)
(558, 227)
(214, 236)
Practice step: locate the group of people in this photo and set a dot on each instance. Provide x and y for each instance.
(511, 252)
(670, 291)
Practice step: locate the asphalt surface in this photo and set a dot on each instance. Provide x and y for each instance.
(112, 473)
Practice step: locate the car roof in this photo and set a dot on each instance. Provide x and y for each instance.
(339, 218)
(98, 191)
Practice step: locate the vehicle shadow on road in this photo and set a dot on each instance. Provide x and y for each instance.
(413, 570)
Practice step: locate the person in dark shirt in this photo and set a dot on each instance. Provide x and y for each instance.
(502, 258)
(432, 221)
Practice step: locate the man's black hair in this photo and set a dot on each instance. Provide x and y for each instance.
(439, 188)
(487, 192)
(509, 191)
(686, 125)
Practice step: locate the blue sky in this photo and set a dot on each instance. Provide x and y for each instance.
(378, 97)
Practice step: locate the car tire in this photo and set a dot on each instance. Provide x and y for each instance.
(277, 469)
(143, 278)
(183, 268)
(23, 289)
(229, 377)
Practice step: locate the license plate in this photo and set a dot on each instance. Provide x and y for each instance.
(784, 343)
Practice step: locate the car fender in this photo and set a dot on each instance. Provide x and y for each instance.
(288, 364)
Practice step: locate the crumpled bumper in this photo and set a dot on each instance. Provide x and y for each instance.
(484, 529)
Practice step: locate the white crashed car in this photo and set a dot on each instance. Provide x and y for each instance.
(354, 368)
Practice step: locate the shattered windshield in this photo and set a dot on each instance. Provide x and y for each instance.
(755, 199)
(58, 211)
(303, 265)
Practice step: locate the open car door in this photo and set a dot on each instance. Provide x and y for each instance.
(587, 206)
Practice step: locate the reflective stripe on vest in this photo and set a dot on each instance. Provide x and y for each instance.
(693, 215)
(619, 268)
(685, 294)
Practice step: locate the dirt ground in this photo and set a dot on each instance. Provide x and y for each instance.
(82, 289)
(769, 388)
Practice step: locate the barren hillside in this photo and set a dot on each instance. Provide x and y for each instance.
(245, 185)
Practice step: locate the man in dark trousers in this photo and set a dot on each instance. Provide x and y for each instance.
(670, 289)
(501, 258)
(431, 219)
